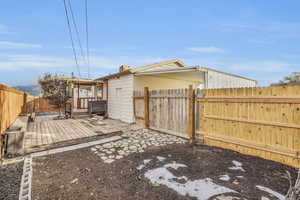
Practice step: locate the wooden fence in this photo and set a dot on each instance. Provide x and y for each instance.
(262, 121)
(165, 110)
(11, 105)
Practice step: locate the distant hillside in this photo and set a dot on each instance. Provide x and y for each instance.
(34, 90)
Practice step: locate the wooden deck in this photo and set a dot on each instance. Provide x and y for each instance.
(45, 134)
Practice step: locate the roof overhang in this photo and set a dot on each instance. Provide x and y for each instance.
(115, 75)
(190, 74)
(78, 81)
(143, 69)
(184, 69)
(205, 69)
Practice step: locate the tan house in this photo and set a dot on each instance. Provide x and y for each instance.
(171, 74)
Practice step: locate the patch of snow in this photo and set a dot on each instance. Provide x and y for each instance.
(271, 192)
(174, 165)
(146, 161)
(202, 189)
(237, 163)
(140, 167)
(160, 158)
(237, 166)
(224, 177)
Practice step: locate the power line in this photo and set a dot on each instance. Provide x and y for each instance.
(76, 29)
(87, 37)
(71, 37)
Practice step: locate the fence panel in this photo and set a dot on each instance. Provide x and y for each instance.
(11, 104)
(168, 110)
(139, 106)
(263, 122)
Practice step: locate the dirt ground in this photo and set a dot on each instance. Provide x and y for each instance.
(10, 179)
(80, 174)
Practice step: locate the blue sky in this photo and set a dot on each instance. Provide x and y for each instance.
(253, 38)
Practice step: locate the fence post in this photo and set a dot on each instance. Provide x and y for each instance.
(191, 113)
(25, 102)
(146, 107)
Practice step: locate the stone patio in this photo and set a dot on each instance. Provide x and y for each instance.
(136, 140)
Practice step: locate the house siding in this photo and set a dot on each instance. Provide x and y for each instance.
(120, 101)
(216, 80)
(162, 83)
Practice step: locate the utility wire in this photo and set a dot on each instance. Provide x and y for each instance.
(71, 37)
(87, 37)
(76, 30)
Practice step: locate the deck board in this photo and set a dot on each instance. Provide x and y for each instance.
(50, 132)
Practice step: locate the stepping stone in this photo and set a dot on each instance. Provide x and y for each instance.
(109, 161)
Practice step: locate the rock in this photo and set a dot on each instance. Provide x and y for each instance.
(160, 158)
(74, 181)
(108, 145)
(109, 161)
(93, 149)
(132, 147)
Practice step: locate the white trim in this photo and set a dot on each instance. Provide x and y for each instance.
(167, 71)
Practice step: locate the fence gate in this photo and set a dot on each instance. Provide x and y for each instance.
(165, 110)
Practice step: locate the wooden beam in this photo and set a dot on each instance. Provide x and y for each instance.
(25, 96)
(169, 97)
(249, 100)
(191, 113)
(146, 108)
(78, 99)
(239, 142)
(138, 117)
(254, 121)
(139, 97)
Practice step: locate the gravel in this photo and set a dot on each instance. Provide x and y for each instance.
(10, 179)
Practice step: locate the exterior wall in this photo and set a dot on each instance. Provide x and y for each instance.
(220, 80)
(120, 101)
(160, 83)
(104, 91)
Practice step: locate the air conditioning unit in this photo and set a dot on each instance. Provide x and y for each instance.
(97, 107)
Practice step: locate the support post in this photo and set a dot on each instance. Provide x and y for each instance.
(191, 113)
(72, 102)
(78, 99)
(25, 95)
(146, 107)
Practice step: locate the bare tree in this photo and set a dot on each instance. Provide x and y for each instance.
(54, 89)
(294, 78)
